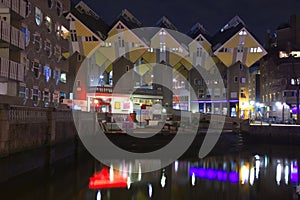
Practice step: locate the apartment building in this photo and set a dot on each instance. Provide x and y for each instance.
(34, 48)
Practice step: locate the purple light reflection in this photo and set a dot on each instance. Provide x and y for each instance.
(213, 174)
(214, 101)
(294, 172)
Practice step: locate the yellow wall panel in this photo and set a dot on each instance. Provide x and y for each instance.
(88, 47)
(81, 30)
(174, 58)
(252, 58)
(233, 42)
(226, 58)
(149, 57)
(134, 55)
(250, 42)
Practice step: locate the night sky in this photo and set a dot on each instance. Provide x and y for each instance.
(259, 15)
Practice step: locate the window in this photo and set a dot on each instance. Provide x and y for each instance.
(150, 50)
(217, 92)
(240, 48)
(243, 95)
(242, 32)
(35, 95)
(38, 16)
(48, 23)
(163, 47)
(55, 98)
(256, 50)
(120, 26)
(201, 93)
(57, 53)
(37, 41)
(79, 58)
(47, 73)
(46, 97)
(235, 79)
(50, 3)
(162, 32)
(25, 30)
(127, 68)
(63, 77)
(208, 92)
(57, 30)
(28, 8)
(56, 76)
(78, 83)
(199, 51)
(121, 42)
(48, 48)
(59, 8)
(64, 33)
(243, 80)
(233, 94)
(36, 69)
(22, 90)
(293, 81)
(73, 35)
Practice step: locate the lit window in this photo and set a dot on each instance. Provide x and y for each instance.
(242, 32)
(25, 30)
(48, 48)
(150, 50)
(163, 47)
(47, 73)
(38, 16)
(293, 82)
(243, 80)
(63, 77)
(37, 41)
(58, 30)
(48, 23)
(64, 32)
(162, 32)
(36, 69)
(57, 53)
(108, 44)
(59, 8)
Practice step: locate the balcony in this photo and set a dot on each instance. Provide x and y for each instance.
(18, 6)
(12, 35)
(11, 70)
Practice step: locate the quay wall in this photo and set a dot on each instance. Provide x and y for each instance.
(23, 128)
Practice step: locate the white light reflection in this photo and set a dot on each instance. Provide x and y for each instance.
(128, 182)
(266, 161)
(257, 168)
(193, 179)
(278, 173)
(98, 197)
(140, 172)
(286, 174)
(111, 173)
(150, 190)
(163, 180)
(176, 165)
(251, 180)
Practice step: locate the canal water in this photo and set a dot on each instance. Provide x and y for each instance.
(236, 172)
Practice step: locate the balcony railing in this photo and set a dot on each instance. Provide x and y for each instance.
(101, 89)
(12, 70)
(18, 6)
(12, 35)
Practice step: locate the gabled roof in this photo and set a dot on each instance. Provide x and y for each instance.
(90, 19)
(164, 22)
(198, 29)
(128, 19)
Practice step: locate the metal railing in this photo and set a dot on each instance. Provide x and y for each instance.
(12, 70)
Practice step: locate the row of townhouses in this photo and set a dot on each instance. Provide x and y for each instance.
(54, 50)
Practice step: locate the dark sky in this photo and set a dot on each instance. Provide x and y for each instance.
(259, 15)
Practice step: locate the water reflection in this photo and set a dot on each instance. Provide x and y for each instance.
(243, 175)
(256, 173)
